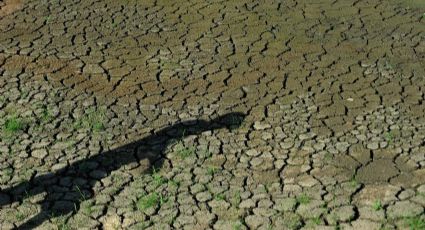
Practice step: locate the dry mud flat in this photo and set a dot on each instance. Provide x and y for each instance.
(9, 6)
(212, 114)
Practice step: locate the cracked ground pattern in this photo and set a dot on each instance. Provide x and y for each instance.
(333, 135)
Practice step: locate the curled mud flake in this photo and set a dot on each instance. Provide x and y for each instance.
(9, 6)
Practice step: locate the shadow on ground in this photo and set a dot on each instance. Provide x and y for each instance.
(66, 198)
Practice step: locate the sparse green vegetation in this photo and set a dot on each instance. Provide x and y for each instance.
(174, 183)
(26, 196)
(46, 115)
(87, 207)
(114, 24)
(267, 188)
(20, 216)
(219, 197)
(236, 199)
(292, 221)
(377, 205)
(98, 126)
(158, 180)
(330, 133)
(60, 222)
(148, 201)
(7, 172)
(47, 19)
(338, 227)
(353, 182)
(64, 226)
(185, 152)
(316, 220)
(389, 137)
(142, 225)
(82, 195)
(13, 124)
(24, 94)
(303, 199)
(415, 223)
(237, 226)
(93, 119)
(167, 64)
(162, 199)
(328, 156)
(211, 170)
(388, 65)
(206, 153)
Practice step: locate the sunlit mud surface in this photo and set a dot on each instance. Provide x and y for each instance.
(295, 114)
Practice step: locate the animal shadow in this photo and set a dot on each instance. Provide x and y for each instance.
(65, 187)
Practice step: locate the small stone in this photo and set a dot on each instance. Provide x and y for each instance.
(368, 212)
(344, 213)
(287, 144)
(197, 188)
(103, 199)
(406, 194)
(88, 102)
(254, 221)
(203, 196)
(371, 193)
(379, 170)
(6, 225)
(58, 166)
(307, 181)
(112, 222)
(421, 189)
(60, 145)
(247, 204)
(256, 161)
(39, 153)
(4, 149)
(285, 204)
(373, 145)
(342, 146)
(252, 152)
(319, 146)
(306, 136)
(404, 209)
(228, 224)
(204, 217)
(83, 220)
(266, 136)
(264, 203)
(220, 204)
(261, 126)
(365, 224)
(264, 212)
(361, 137)
(92, 69)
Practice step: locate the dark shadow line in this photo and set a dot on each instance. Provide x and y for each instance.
(107, 162)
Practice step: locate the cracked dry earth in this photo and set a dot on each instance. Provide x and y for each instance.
(245, 114)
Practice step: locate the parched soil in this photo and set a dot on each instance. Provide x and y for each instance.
(9, 6)
(244, 114)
